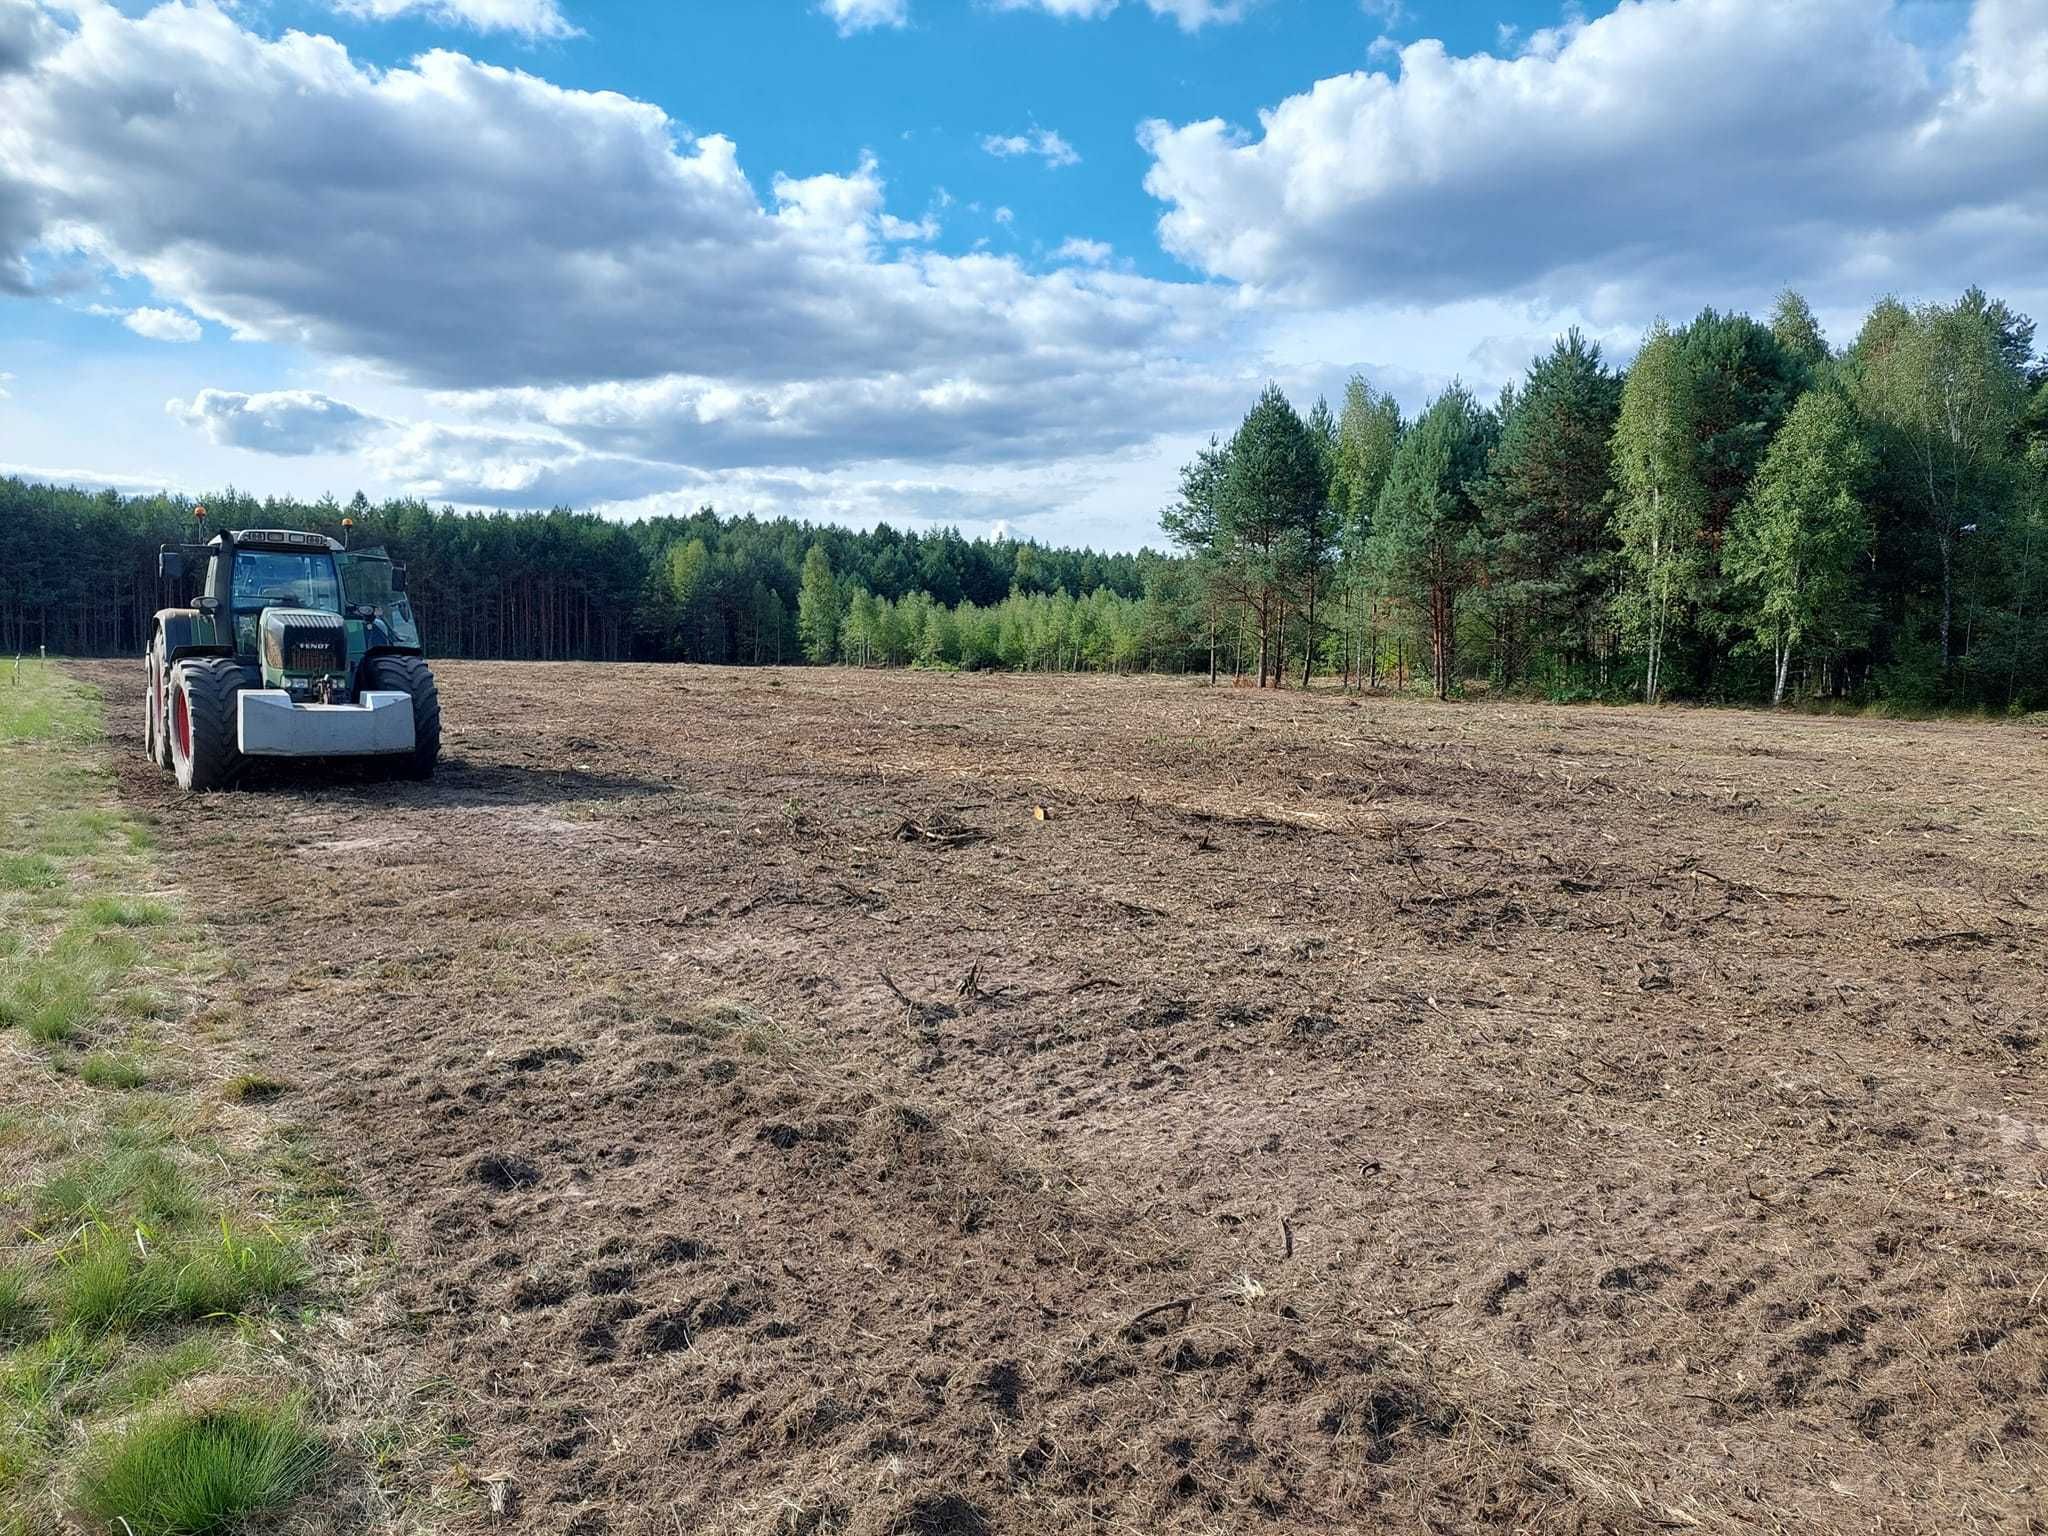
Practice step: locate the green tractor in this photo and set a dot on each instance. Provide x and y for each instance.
(294, 647)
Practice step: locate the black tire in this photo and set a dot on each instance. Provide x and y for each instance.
(204, 744)
(408, 674)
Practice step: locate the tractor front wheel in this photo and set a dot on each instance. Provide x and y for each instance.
(408, 674)
(200, 722)
(156, 736)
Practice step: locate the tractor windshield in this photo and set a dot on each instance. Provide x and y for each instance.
(267, 579)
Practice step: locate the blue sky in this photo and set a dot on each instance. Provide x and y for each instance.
(800, 98)
(995, 262)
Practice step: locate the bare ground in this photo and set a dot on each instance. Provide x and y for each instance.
(817, 1101)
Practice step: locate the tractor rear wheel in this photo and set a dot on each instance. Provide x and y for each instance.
(408, 674)
(200, 721)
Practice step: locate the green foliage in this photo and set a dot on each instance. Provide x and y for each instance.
(1545, 499)
(78, 573)
(1582, 567)
(251, 1087)
(818, 607)
(1272, 513)
(54, 995)
(1941, 385)
(1426, 533)
(232, 1272)
(190, 1474)
(1798, 332)
(1794, 544)
(17, 1459)
(107, 1285)
(1658, 517)
(1607, 538)
(119, 1276)
(37, 1376)
(1368, 431)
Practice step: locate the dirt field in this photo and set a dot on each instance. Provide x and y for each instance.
(1328, 1117)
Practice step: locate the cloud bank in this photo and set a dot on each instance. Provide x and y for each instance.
(566, 296)
(1672, 145)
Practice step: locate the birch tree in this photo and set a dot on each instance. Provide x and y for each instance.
(1368, 431)
(1657, 518)
(1941, 381)
(1795, 542)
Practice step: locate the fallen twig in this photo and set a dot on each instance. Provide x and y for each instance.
(1186, 1304)
(1970, 936)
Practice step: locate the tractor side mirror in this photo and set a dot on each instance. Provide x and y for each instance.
(170, 566)
(398, 578)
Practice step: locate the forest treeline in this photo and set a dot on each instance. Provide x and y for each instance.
(1743, 512)
(78, 574)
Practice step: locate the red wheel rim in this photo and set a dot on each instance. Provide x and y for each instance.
(181, 724)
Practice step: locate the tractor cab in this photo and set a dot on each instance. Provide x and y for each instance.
(303, 611)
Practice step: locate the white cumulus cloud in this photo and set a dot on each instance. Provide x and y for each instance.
(456, 224)
(1191, 15)
(161, 324)
(1195, 14)
(1090, 253)
(529, 18)
(1048, 145)
(285, 421)
(1672, 149)
(852, 16)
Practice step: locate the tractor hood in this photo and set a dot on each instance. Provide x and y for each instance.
(301, 648)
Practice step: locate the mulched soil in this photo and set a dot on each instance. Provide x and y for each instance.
(825, 1101)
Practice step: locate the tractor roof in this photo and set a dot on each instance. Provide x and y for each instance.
(278, 538)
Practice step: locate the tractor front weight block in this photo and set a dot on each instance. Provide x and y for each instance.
(271, 725)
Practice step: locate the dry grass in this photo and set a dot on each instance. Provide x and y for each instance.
(142, 1330)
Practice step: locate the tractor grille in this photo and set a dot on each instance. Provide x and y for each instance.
(304, 643)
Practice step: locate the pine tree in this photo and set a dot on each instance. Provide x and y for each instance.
(1426, 533)
(1545, 502)
(1273, 485)
(1309, 541)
